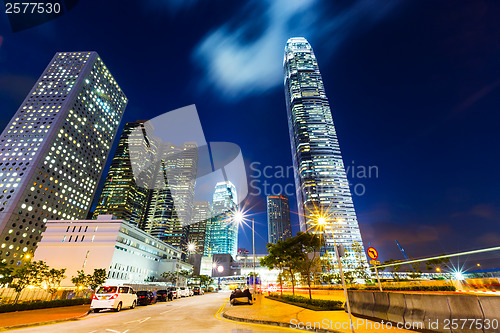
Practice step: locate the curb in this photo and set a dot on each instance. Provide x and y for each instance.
(276, 323)
(42, 323)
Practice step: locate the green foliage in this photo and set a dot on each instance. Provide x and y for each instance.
(313, 304)
(30, 274)
(432, 264)
(98, 278)
(251, 274)
(43, 305)
(6, 275)
(80, 280)
(309, 245)
(53, 279)
(205, 280)
(169, 277)
(360, 268)
(91, 281)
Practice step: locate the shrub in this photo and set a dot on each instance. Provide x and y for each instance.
(314, 304)
(43, 304)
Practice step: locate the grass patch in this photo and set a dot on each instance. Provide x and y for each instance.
(43, 304)
(304, 302)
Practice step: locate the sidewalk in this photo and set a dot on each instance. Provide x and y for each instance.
(266, 311)
(19, 319)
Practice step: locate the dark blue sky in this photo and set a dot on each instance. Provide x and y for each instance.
(414, 88)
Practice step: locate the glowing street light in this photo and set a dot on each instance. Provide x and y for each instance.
(191, 247)
(239, 218)
(322, 221)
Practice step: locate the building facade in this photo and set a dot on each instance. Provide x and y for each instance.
(221, 231)
(54, 149)
(321, 183)
(279, 225)
(170, 207)
(121, 196)
(128, 254)
(198, 227)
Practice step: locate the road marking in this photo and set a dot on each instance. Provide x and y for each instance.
(137, 320)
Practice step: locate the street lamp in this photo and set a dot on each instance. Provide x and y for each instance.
(239, 218)
(322, 223)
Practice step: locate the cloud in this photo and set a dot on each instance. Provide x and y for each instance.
(484, 211)
(489, 239)
(244, 56)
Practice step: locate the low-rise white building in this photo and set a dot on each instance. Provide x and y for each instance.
(128, 254)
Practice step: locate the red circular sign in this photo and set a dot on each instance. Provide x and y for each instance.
(372, 253)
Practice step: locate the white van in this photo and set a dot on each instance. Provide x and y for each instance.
(113, 297)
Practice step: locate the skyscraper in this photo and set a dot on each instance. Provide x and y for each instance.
(320, 178)
(222, 232)
(53, 151)
(197, 229)
(121, 196)
(279, 225)
(171, 201)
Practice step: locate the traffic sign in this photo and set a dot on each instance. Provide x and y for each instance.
(374, 262)
(372, 253)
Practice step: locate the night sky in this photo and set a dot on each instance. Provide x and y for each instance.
(414, 88)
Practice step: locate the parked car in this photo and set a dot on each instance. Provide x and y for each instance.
(113, 297)
(145, 297)
(162, 296)
(176, 292)
(184, 292)
(198, 291)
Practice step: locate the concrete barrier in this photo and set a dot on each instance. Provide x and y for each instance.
(415, 311)
(437, 312)
(361, 302)
(381, 305)
(397, 307)
(465, 313)
(490, 305)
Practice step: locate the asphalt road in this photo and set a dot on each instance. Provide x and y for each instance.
(191, 314)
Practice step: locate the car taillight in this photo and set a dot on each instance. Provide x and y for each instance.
(95, 297)
(115, 296)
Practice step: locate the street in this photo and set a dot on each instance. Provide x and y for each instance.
(192, 314)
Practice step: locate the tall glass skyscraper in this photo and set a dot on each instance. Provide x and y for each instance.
(54, 149)
(279, 225)
(222, 232)
(321, 183)
(121, 196)
(197, 229)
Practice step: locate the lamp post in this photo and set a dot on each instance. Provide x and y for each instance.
(322, 221)
(239, 217)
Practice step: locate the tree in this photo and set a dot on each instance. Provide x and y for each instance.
(5, 274)
(284, 255)
(98, 278)
(205, 280)
(30, 274)
(359, 257)
(169, 277)
(416, 272)
(53, 280)
(80, 280)
(395, 268)
(433, 264)
(309, 245)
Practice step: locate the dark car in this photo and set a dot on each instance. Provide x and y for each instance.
(173, 293)
(145, 297)
(198, 291)
(162, 295)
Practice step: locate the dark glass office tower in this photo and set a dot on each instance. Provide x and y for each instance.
(279, 225)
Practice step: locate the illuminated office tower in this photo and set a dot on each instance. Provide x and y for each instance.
(121, 196)
(320, 178)
(197, 229)
(171, 202)
(54, 149)
(222, 231)
(279, 225)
